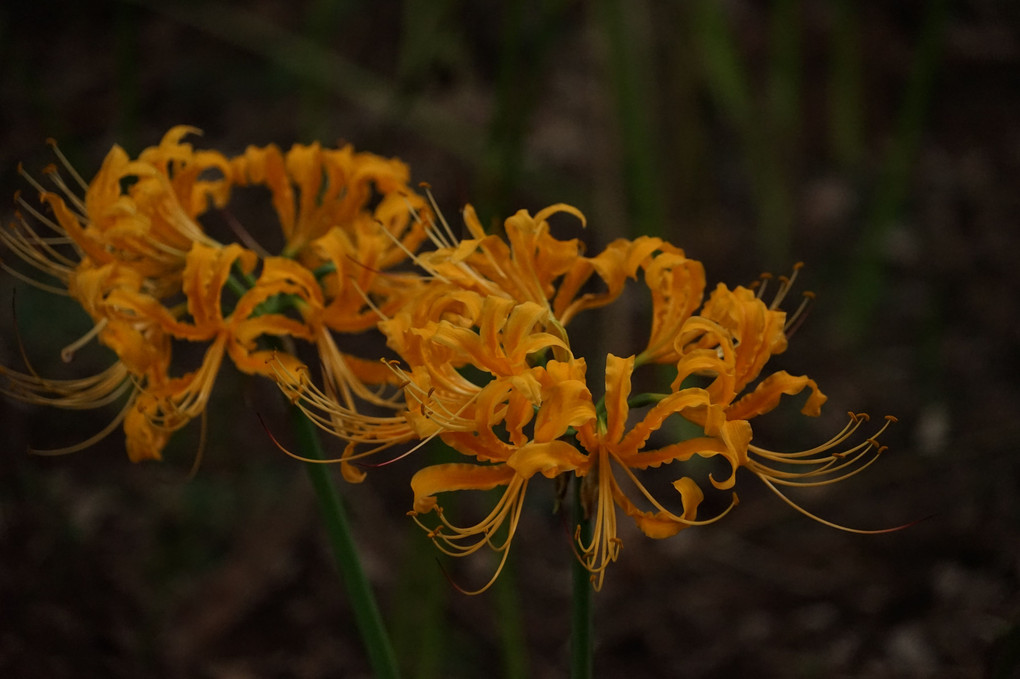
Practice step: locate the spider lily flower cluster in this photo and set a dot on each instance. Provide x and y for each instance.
(130, 247)
(479, 352)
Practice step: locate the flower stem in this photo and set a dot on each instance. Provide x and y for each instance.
(581, 649)
(366, 612)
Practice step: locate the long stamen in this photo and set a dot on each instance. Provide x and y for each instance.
(54, 174)
(785, 284)
(38, 250)
(836, 466)
(604, 545)
(673, 517)
(368, 301)
(439, 214)
(483, 533)
(831, 524)
(31, 180)
(331, 416)
(243, 234)
(413, 257)
(67, 353)
(794, 321)
(67, 165)
(90, 441)
(856, 419)
(39, 216)
(759, 285)
(31, 281)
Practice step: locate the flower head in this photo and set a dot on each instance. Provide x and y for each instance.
(489, 366)
(131, 248)
(473, 343)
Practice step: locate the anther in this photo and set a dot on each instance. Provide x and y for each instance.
(797, 318)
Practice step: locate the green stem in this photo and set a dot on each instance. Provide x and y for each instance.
(581, 649)
(366, 612)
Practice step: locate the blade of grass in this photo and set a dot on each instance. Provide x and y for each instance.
(429, 37)
(846, 94)
(774, 147)
(315, 64)
(766, 133)
(866, 281)
(720, 61)
(529, 31)
(309, 62)
(686, 129)
(321, 21)
(626, 27)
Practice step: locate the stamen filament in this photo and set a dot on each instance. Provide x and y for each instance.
(67, 165)
(67, 353)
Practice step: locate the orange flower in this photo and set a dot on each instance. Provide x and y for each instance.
(475, 318)
(316, 190)
(126, 237)
(133, 252)
(611, 446)
(727, 347)
(172, 402)
(484, 360)
(509, 462)
(677, 285)
(143, 351)
(142, 213)
(493, 337)
(532, 265)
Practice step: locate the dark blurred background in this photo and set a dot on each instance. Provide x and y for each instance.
(877, 142)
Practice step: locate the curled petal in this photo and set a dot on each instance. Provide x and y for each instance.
(757, 331)
(677, 285)
(143, 439)
(549, 459)
(663, 524)
(618, 372)
(674, 403)
(736, 436)
(564, 404)
(767, 394)
(441, 478)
